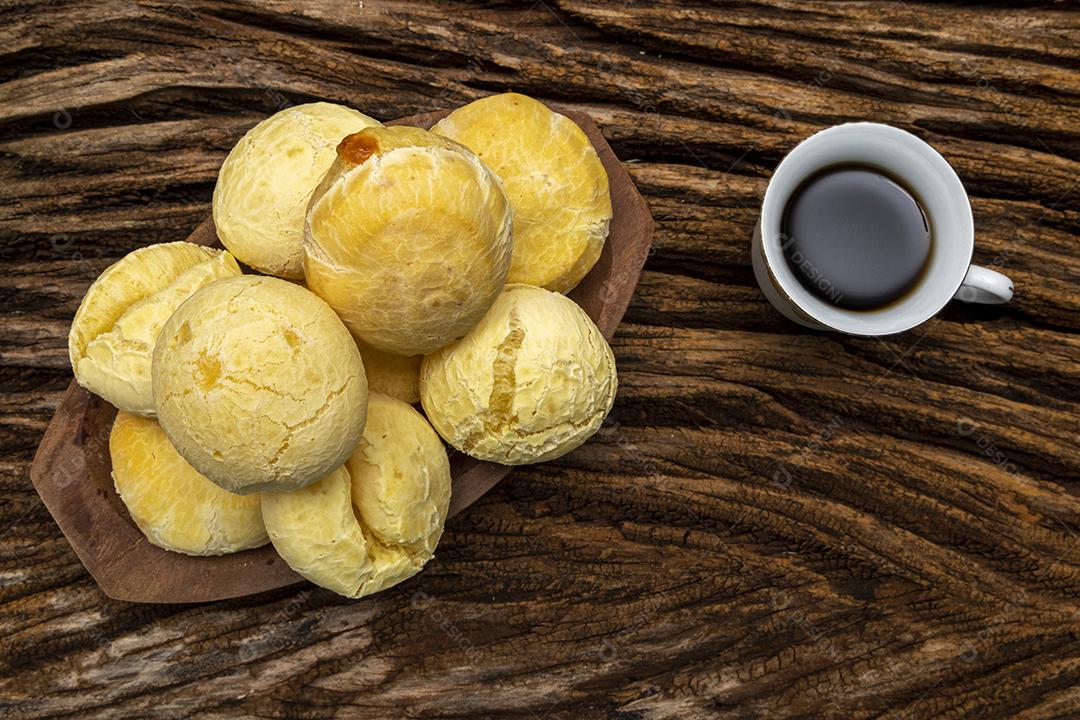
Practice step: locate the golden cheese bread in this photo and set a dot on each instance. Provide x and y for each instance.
(407, 238)
(395, 375)
(530, 382)
(258, 384)
(266, 181)
(376, 521)
(555, 181)
(116, 326)
(174, 506)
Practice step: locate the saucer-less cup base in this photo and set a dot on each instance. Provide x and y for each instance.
(934, 183)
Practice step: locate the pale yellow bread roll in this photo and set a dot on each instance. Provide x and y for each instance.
(555, 181)
(258, 385)
(265, 183)
(376, 521)
(113, 334)
(395, 375)
(532, 381)
(175, 507)
(408, 239)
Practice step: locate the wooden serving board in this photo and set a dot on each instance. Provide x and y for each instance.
(73, 473)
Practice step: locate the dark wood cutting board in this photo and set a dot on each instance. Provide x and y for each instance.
(72, 469)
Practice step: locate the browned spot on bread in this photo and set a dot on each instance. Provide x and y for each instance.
(207, 370)
(356, 148)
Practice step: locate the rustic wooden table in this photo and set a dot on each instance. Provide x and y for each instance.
(773, 523)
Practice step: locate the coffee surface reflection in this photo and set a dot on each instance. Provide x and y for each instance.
(855, 237)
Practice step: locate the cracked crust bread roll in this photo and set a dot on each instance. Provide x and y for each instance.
(376, 521)
(531, 382)
(266, 181)
(395, 375)
(258, 385)
(555, 181)
(113, 334)
(408, 239)
(174, 506)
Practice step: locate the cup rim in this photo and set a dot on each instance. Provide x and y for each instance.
(861, 322)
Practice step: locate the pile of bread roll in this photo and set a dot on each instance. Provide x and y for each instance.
(387, 266)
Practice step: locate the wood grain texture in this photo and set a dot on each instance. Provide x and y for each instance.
(773, 522)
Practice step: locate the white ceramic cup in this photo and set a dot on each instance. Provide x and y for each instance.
(930, 178)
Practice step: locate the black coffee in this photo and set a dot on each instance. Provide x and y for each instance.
(855, 237)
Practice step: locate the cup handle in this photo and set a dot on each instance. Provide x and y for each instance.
(983, 285)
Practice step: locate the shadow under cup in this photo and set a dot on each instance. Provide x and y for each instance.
(916, 166)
